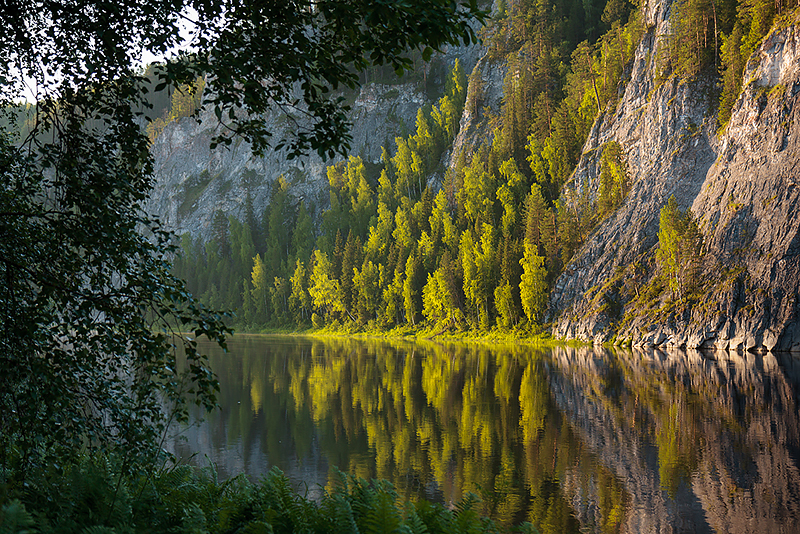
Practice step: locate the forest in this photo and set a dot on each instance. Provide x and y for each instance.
(412, 243)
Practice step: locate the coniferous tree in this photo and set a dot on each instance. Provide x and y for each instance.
(323, 286)
(220, 234)
(411, 289)
(679, 248)
(260, 290)
(350, 262)
(303, 235)
(533, 285)
(299, 299)
(279, 220)
(613, 179)
(366, 283)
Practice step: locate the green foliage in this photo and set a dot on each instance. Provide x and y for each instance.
(94, 497)
(679, 252)
(185, 102)
(714, 37)
(533, 287)
(613, 179)
(402, 254)
(15, 519)
(691, 45)
(90, 308)
(506, 307)
(323, 288)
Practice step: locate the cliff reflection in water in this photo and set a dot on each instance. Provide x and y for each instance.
(569, 439)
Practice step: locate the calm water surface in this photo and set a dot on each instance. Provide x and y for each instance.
(571, 439)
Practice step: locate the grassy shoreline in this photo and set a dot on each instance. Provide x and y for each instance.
(542, 338)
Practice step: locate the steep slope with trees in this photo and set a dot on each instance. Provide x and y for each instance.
(90, 313)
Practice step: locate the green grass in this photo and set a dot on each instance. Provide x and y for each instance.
(538, 337)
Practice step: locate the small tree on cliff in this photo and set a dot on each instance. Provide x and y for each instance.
(679, 252)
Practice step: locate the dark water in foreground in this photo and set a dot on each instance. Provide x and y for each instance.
(571, 439)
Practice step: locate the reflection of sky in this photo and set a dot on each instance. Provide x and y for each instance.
(233, 456)
(630, 442)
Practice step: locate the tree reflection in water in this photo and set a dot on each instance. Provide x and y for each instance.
(571, 439)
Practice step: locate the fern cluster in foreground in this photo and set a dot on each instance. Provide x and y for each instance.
(93, 498)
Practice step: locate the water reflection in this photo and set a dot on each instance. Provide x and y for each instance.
(573, 440)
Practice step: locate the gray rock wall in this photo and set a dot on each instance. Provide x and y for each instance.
(192, 181)
(739, 185)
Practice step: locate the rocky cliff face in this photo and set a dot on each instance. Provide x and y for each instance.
(484, 98)
(740, 185)
(194, 181)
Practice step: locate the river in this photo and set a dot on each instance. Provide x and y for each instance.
(570, 439)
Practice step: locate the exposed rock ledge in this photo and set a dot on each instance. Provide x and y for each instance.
(743, 186)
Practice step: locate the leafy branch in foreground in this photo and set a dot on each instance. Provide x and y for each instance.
(90, 310)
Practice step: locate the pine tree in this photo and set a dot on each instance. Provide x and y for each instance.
(299, 300)
(323, 287)
(303, 235)
(441, 223)
(506, 307)
(379, 235)
(692, 42)
(480, 271)
(411, 289)
(535, 211)
(363, 202)
(350, 261)
(260, 290)
(279, 221)
(393, 299)
(733, 66)
(613, 179)
(533, 286)
(220, 234)
(367, 289)
(279, 296)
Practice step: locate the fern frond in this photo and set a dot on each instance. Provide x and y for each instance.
(467, 504)
(413, 521)
(14, 519)
(383, 517)
(338, 514)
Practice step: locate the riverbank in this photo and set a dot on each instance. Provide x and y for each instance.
(540, 337)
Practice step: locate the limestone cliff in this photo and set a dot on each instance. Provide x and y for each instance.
(195, 181)
(192, 181)
(740, 184)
